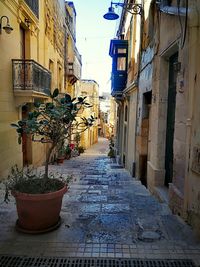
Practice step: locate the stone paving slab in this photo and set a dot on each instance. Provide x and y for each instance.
(105, 213)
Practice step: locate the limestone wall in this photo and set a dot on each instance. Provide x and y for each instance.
(192, 182)
(44, 43)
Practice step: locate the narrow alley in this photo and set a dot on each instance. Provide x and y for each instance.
(106, 214)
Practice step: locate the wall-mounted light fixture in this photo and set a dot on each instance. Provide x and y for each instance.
(134, 9)
(8, 29)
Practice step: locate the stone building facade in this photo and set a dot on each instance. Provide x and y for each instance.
(90, 90)
(158, 112)
(38, 56)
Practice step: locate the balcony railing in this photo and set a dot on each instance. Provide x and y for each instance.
(34, 6)
(29, 75)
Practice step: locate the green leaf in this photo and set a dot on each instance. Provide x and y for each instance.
(21, 123)
(80, 99)
(19, 140)
(66, 120)
(49, 105)
(30, 115)
(19, 130)
(62, 100)
(70, 105)
(55, 93)
(14, 125)
(36, 114)
(67, 98)
(37, 104)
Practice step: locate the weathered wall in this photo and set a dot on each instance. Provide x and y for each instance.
(168, 45)
(10, 150)
(185, 186)
(44, 42)
(192, 183)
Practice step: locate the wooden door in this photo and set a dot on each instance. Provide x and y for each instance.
(171, 107)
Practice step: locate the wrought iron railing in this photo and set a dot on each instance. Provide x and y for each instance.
(34, 6)
(29, 75)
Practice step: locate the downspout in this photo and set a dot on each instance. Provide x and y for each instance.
(171, 10)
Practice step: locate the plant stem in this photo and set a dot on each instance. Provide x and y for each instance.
(47, 160)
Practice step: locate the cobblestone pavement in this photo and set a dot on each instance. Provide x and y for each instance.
(106, 213)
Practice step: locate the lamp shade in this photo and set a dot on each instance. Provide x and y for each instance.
(111, 15)
(8, 29)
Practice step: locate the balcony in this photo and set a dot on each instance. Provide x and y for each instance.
(34, 6)
(118, 82)
(119, 53)
(74, 68)
(30, 80)
(70, 24)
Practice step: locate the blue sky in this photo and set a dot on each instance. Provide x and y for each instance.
(93, 34)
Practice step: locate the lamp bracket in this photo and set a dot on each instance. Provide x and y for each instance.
(134, 9)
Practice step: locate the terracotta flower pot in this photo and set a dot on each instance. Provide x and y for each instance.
(38, 213)
(60, 160)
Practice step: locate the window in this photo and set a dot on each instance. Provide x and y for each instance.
(121, 63)
(121, 51)
(34, 6)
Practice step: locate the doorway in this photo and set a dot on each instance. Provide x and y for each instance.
(145, 142)
(171, 107)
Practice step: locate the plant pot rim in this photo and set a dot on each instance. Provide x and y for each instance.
(38, 197)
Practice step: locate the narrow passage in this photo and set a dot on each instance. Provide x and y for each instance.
(106, 214)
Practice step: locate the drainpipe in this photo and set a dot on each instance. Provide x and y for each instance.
(171, 10)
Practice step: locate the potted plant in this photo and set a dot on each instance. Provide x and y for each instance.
(81, 149)
(68, 152)
(61, 154)
(52, 123)
(38, 201)
(111, 152)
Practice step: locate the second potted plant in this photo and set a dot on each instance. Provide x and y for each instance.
(68, 152)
